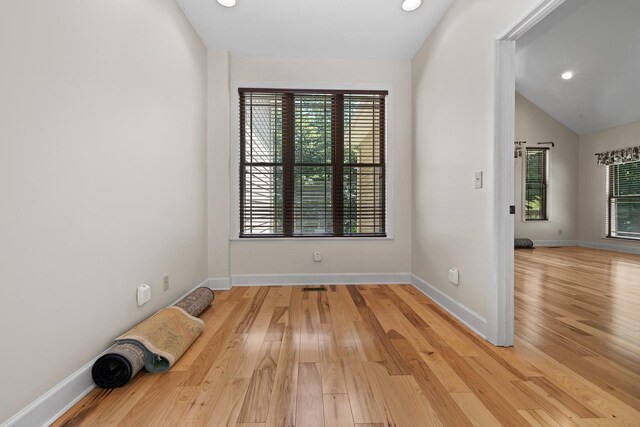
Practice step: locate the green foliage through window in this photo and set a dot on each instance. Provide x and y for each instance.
(312, 164)
(623, 213)
(536, 182)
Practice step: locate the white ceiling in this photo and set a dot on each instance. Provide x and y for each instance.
(353, 29)
(599, 40)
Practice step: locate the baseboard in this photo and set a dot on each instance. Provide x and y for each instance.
(219, 283)
(55, 402)
(472, 320)
(554, 243)
(320, 279)
(610, 247)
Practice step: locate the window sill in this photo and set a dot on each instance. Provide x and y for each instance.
(628, 239)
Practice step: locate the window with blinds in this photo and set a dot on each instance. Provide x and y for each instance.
(623, 201)
(312, 163)
(536, 184)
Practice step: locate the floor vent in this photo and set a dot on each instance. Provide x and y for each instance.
(320, 289)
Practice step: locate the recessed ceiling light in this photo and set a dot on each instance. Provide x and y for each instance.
(411, 5)
(227, 3)
(567, 75)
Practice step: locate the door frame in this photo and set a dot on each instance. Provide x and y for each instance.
(500, 319)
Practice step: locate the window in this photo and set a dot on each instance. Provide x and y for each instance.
(623, 200)
(536, 184)
(312, 163)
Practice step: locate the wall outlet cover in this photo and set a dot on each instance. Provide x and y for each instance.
(144, 294)
(454, 276)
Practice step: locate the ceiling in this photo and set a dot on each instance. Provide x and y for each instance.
(337, 29)
(600, 42)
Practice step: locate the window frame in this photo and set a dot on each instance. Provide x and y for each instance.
(609, 198)
(547, 186)
(234, 141)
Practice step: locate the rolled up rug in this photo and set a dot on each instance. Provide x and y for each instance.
(196, 302)
(164, 337)
(155, 344)
(117, 367)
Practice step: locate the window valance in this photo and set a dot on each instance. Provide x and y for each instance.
(619, 157)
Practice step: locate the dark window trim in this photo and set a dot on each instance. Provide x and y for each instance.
(545, 184)
(610, 201)
(315, 91)
(337, 163)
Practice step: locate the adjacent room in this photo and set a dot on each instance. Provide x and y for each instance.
(297, 213)
(577, 190)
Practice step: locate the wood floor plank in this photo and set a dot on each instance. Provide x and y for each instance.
(256, 336)
(479, 415)
(282, 405)
(435, 392)
(331, 368)
(363, 402)
(337, 410)
(386, 355)
(149, 410)
(406, 406)
(227, 408)
(309, 404)
(256, 403)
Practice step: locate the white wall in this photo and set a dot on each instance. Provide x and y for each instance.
(339, 256)
(592, 181)
(534, 125)
(102, 178)
(218, 163)
(453, 116)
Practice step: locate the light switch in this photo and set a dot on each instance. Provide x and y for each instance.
(478, 180)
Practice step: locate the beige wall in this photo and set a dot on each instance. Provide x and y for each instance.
(592, 181)
(218, 163)
(339, 256)
(534, 125)
(453, 94)
(102, 178)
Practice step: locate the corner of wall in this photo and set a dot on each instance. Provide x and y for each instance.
(218, 163)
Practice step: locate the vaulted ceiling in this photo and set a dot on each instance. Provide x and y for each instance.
(352, 29)
(599, 41)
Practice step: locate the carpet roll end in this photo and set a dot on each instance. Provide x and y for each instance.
(112, 371)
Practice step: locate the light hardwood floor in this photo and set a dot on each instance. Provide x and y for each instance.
(388, 356)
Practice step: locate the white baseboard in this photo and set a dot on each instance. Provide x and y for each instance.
(585, 244)
(55, 402)
(320, 279)
(610, 247)
(219, 283)
(472, 320)
(554, 243)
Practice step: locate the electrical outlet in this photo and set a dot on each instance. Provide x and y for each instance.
(560, 232)
(454, 276)
(143, 294)
(317, 256)
(165, 283)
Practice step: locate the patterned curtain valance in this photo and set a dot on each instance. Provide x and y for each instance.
(618, 157)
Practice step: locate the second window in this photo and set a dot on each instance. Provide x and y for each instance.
(536, 184)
